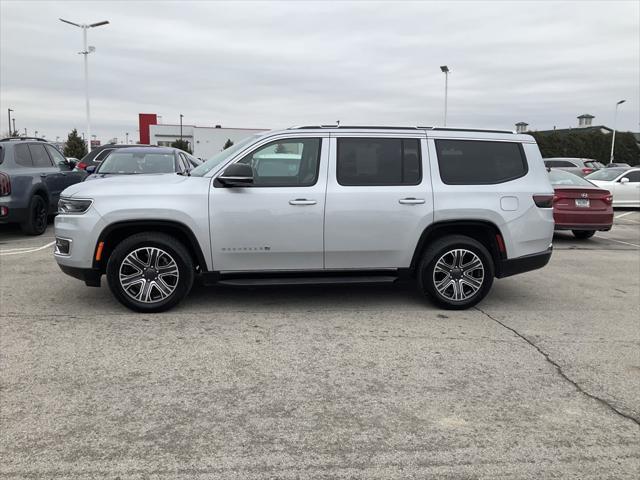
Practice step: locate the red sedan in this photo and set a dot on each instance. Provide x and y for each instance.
(579, 205)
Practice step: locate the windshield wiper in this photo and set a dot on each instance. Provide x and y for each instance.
(187, 173)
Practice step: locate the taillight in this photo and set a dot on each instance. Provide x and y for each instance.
(5, 184)
(81, 165)
(587, 171)
(608, 199)
(543, 201)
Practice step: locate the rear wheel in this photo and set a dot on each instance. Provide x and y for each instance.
(150, 272)
(583, 234)
(37, 216)
(456, 272)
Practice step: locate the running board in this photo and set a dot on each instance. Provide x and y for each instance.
(356, 279)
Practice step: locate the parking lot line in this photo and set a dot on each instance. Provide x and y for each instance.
(626, 243)
(624, 214)
(20, 251)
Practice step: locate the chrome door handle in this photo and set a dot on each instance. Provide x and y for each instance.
(302, 201)
(411, 201)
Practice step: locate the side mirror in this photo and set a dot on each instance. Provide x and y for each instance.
(90, 169)
(64, 166)
(237, 175)
(624, 180)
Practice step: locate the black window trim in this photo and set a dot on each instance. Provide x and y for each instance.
(219, 184)
(523, 157)
(402, 139)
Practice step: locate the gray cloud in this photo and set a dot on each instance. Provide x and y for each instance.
(270, 64)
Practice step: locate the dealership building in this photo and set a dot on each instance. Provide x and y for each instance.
(204, 142)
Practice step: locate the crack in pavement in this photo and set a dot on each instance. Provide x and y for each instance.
(560, 371)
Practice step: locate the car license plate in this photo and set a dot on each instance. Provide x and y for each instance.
(582, 202)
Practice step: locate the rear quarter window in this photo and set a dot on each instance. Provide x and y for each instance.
(478, 162)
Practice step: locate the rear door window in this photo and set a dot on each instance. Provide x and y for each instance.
(477, 162)
(23, 156)
(40, 157)
(378, 161)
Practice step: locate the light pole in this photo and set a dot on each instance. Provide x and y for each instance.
(14, 127)
(36, 133)
(9, 110)
(86, 51)
(445, 70)
(127, 138)
(613, 138)
(181, 127)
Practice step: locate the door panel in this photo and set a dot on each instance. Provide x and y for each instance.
(375, 226)
(263, 228)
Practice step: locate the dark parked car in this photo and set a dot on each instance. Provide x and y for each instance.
(579, 205)
(577, 166)
(32, 175)
(97, 155)
(144, 160)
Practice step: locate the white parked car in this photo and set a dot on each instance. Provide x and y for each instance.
(449, 208)
(623, 183)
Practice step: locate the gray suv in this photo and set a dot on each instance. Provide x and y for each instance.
(32, 175)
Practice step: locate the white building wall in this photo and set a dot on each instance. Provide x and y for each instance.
(203, 141)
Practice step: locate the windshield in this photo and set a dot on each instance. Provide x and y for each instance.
(220, 157)
(606, 174)
(560, 177)
(139, 162)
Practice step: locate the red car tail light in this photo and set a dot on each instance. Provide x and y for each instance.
(81, 165)
(5, 184)
(608, 199)
(587, 170)
(543, 201)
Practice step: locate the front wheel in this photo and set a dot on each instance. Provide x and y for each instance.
(150, 272)
(456, 272)
(583, 234)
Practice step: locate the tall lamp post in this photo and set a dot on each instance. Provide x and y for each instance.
(181, 126)
(613, 138)
(14, 127)
(86, 51)
(9, 110)
(445, 70)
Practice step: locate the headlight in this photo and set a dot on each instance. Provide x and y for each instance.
(73, 205)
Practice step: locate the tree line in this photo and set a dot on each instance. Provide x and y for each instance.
(595, 145)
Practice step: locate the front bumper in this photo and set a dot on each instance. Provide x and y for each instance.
(526, 263)
(83, 232)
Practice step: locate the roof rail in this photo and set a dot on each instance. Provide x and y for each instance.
(453, 129)
(15, 139)
(370, 127)
(378, 127)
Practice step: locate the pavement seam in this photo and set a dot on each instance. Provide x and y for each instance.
(558, 369)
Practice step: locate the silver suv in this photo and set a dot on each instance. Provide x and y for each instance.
(448, 208)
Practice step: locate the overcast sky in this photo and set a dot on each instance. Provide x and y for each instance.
(271, 65)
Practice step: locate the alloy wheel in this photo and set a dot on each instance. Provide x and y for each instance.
(458, 274)
(149, 274)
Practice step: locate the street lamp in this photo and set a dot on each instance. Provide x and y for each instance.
(613, 138)
(86, 51)
(127, 138)
(181, 126)
(9, 124)
(444, 69)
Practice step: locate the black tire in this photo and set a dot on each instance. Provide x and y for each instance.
(37, 216)
(137, 248)
(469, 249)
(583, 234)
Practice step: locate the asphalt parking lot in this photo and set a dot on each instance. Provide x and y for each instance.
(541, 381)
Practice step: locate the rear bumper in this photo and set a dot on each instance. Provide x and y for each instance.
(526, 263)
(17, 212)
(576, 220)
(89, 276)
